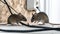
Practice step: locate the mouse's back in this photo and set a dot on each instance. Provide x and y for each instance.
(43, 17)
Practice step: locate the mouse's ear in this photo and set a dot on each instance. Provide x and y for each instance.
(32, 14)
(19, 14)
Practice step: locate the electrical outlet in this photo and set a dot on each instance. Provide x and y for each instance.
(32, 4)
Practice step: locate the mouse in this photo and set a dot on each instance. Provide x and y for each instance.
(40, 17)
(16, 18)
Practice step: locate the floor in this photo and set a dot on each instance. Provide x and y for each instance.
(7, 27)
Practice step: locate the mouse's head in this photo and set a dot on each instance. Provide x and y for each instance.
(22, 17)
(34, 17)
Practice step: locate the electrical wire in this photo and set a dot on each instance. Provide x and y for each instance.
(33, 26)
(28, 31)
(9, 6)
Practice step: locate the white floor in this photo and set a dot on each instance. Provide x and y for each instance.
(6, 27)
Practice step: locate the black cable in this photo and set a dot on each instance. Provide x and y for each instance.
(38, 8)
(33, 26)
(9, 6)
(24, 31)
(46, 28)
(27, 31)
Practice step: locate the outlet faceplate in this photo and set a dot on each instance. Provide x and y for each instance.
(32, 4)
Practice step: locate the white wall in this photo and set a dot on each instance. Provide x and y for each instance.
(42, 5)
(53, 11)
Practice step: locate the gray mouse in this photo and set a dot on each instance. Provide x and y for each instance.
(40, 17)
(14, 18)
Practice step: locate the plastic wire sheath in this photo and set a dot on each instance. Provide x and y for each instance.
(9, 6)
(27, 31)
(32, 26)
